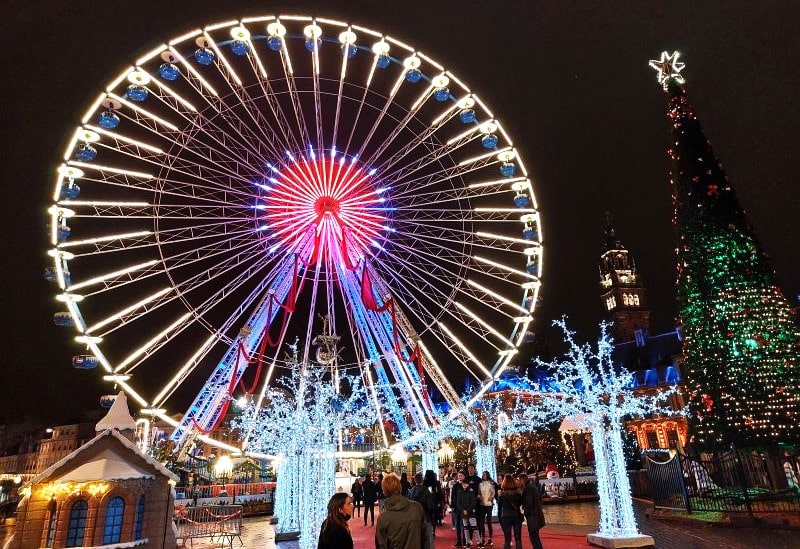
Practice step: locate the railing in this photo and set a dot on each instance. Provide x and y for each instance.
(256, 498)
(220, 523)
(733, 481)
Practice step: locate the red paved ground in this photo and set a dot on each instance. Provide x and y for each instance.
(553, 537)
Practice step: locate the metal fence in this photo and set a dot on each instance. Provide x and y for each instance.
(220, 523)
(733, 481)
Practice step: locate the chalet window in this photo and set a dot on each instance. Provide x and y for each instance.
(112, 529)
(652, 439)
(137, 528)
(77, 523)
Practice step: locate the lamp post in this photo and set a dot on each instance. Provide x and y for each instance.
(223, 468)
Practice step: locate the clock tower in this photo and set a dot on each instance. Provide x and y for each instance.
(621, 291)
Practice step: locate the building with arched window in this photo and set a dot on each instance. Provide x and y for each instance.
(107, 493)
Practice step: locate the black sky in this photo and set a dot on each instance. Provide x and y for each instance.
(568, 79)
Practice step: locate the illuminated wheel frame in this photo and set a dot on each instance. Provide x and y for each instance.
(239, 180)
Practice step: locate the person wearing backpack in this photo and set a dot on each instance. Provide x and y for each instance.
(420, 494)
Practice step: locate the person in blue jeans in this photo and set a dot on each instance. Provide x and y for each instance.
(510, 504)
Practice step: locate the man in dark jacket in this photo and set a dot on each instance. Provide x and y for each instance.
(370, 497)
(422, 495)
(532, 507)
(402, 522)
(457, 522)
(466, 504)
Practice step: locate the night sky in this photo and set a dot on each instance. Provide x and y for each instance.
(569, 80)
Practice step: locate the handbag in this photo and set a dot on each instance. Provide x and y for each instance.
(473, 522)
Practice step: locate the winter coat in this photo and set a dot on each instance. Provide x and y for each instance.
(467, 502)
(422, 495)
(370, 491)
(532, 506)
(357, 490)
(401, 525)
(335, 537)
(510, 502)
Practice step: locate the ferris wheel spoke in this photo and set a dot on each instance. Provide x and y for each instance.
(445, 173)
(146, 350)
(423, 138)
(401, 126)
(425, 272)
(223, 146)
(161, 297)
(381, 115)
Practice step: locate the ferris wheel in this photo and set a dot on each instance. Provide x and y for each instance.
(241, 181)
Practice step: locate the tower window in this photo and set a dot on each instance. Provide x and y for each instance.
(635, 300)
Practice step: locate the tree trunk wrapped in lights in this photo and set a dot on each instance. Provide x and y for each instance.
(299, 424)
(742, 341)
(596, 395)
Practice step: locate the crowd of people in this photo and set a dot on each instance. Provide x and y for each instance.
(411, 510)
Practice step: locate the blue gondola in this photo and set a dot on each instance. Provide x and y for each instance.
(63, 233)
(441, 94)
(532, 268)
(383, 61)
(84, 362)
(108, 120)
(107, 401)
(529, 233)
(50, 274)
(522, 200)
(63, 318)
(136, 93)
(85, 152)
(169, 71)
(413, 76)
(467, 116)
(239, 48)
(508, 169)
(70, 191)
(489, 141)
(204, 56)
(274, 43)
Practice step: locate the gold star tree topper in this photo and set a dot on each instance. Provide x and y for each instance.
(668, 67)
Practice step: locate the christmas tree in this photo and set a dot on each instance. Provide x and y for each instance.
(742, 343)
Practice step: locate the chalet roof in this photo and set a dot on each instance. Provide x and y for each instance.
(122, 460)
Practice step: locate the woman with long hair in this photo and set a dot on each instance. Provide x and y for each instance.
(335, 532)
(486, 494)
(510, 503)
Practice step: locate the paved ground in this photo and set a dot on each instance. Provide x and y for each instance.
(567, 526)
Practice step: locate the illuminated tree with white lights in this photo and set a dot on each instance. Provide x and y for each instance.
(596, 395)
(300, 424)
